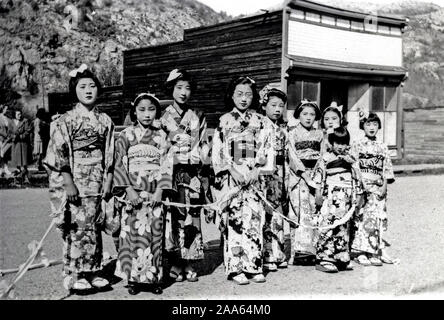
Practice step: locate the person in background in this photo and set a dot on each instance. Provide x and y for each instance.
(80, 159)
(41, 137)
(20, 129)
(273, 183)
(5, 141)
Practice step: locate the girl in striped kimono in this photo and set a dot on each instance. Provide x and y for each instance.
(239, 151)
(142, 171)
(273, 183)
(305, 148)
(80, 161)
(185, 128)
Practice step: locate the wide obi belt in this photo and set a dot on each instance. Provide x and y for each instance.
(88, 142)
(309, 163)
(242, 147)
(143, 157)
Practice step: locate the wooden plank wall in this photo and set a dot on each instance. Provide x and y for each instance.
(213, 55)
(110, 102)
(424, 134)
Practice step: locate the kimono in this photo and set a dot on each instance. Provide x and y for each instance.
(183, 225)
(305, 149)
(21, 153)
(376, 167)
(340, 188)
(82, 143)
(141, 162)
(239, 143)
(272, 184)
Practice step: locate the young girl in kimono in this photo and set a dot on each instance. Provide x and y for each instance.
(185, 127)
(338, 195)
(273, 183)
(305, 147)
(377, 171)
(332, 118)
(142, 171)
(80, 161)
(238, 153)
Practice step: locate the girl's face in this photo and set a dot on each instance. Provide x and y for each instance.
(331, 121)
(182, 92)
(339, 148)
(307, 117)
(145, 112)
(86, 91)
(242, 97)
(274, 108)
(371, 129)
(18, 115)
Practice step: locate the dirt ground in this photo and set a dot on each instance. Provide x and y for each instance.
(416, 221)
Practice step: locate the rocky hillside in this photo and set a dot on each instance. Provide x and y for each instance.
(42, 40)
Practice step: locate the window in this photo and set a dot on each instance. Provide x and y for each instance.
(357, 25)
(299, 90)
(328, 20)
(395, 31)
(298, 14)
(383, 29)
(384, 98)
(343, 23)
(313, 17)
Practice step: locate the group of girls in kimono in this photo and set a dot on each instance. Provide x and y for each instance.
(266, 171)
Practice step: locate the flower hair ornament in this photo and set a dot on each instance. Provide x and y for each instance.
(334, 105)
(174, 74)
(249, 79)
(83, 67)
(363, 115)
(263, 94)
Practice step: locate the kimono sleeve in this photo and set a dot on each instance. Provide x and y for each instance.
(58, 152)
(219, 157)
(109, 148)
(388, 166)
(121, 175)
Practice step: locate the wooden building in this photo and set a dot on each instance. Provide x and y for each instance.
(307, 49)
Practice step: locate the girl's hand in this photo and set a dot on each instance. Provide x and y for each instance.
(133, 196)
(209, 216)
(157, 197)
(382, 192)
(72, 193)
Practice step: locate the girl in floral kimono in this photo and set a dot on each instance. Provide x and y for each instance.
(80, 161)
(185, 128)
(305, 148)
(273, 183)
(142, 171)
(377, 171)
(338, 194)
(238, 153)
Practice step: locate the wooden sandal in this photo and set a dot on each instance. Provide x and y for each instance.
(191, 276)
(176, 275)
(326, 266)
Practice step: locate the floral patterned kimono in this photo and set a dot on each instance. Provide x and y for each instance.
(375, 166)
(81, 143)
(239, 142)
(272, 184)
(142, 162)
(183, 230)
(305, 149)
(340, 187)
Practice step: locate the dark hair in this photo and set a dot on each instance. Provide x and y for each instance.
(339, 135)
(184, 76)
(372, 117)
(87, 74)
(140, 97)
(41, 114)
(342, 121)
(229, 103)
(276, 93)
(304, 104)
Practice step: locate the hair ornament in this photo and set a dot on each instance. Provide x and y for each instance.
(174, 74)
(83, 67)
